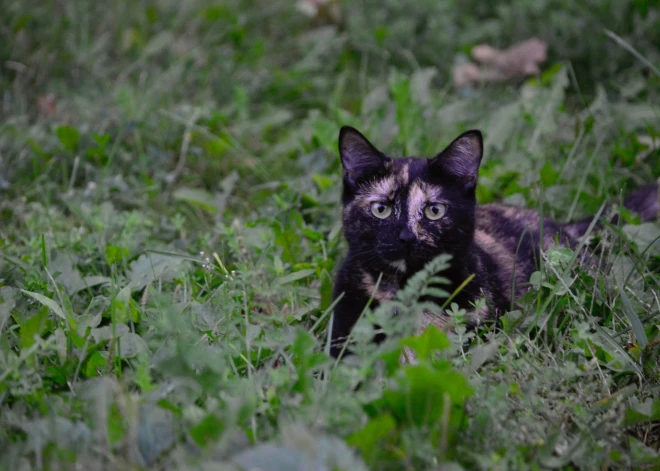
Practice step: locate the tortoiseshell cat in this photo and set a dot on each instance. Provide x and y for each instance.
(401, 213)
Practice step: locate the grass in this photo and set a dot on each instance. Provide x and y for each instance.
(169, 228)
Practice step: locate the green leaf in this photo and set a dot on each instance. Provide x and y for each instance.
(69, 137)
(482, 353)
(207, 430)
(633, 318)
(312, 235)
(91, 281)
(61, 344)
(287, 235)
(94, 364)
(368, 439)
(156, 433)
(418, 396)
(646, 236)
(33, 326)
(642, 7)
(549, 175)
(298, 275)
(60, 431)
(624, 355)
(326, 290)
(69, 276)
(197, 197)
(109, 331)
(89, 320)
(641, 412)
(52, 305)
(7, 304)
(153, 266)
(430, 341)
(305, 360)
(436, 292)
(122, 306)
(278, 265)
(322, 182)
(131, 345)
(502, 124)
(269, 457)
(114, 254)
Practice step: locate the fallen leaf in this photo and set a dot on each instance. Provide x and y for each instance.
(47, 105)
(521, 60)
(328, 11)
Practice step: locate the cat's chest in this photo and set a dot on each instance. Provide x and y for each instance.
(381, 288)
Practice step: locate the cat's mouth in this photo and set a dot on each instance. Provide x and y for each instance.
(405, 258)
(401, 258)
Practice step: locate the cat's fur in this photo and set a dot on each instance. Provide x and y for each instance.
(497, 244)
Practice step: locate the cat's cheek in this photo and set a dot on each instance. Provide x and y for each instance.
(426, 234)
(438, 229)
(357, 232)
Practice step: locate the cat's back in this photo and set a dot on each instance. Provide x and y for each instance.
(510, 225)
(510, 237)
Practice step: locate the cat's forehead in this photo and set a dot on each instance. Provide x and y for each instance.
(409, 169)
(406, 178)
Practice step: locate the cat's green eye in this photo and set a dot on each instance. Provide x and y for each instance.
(381, 210)
(435, 211)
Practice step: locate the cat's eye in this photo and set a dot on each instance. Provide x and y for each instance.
(435, 211)
(381, 210)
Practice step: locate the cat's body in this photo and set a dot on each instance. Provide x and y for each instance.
(401, 213)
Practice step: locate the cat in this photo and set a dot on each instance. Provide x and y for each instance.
(398, 214)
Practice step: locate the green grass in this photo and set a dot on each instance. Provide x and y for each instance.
(169, 228)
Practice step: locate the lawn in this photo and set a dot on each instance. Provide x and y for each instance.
(170, 228)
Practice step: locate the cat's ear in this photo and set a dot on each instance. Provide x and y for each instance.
(359, 157)
(461, 159)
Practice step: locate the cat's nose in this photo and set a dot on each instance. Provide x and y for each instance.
(406, 235)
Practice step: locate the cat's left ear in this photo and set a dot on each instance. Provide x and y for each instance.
(461, 158)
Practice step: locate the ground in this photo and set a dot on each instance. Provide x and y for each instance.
(170, 226)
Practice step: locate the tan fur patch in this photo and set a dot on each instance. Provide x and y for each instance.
(549, 241)
(504, 259)
(429, 318)
(527, 217)
(419, 196)
(479, 314)
(379, 190)
(384, 292)
(404, 174)
(400, 265)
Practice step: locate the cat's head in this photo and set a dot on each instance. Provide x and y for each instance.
(402, 212)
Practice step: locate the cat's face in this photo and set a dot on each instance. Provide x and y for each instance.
(400, 213)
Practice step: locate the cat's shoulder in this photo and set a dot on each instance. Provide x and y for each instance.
(496, 216)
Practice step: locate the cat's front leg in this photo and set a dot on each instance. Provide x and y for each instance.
(348, 309)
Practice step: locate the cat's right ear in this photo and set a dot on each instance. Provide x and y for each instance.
(359, 158)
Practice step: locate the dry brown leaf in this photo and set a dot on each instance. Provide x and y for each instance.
(466, 74)
(47, 105)
(328, 11)
(520, 60)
